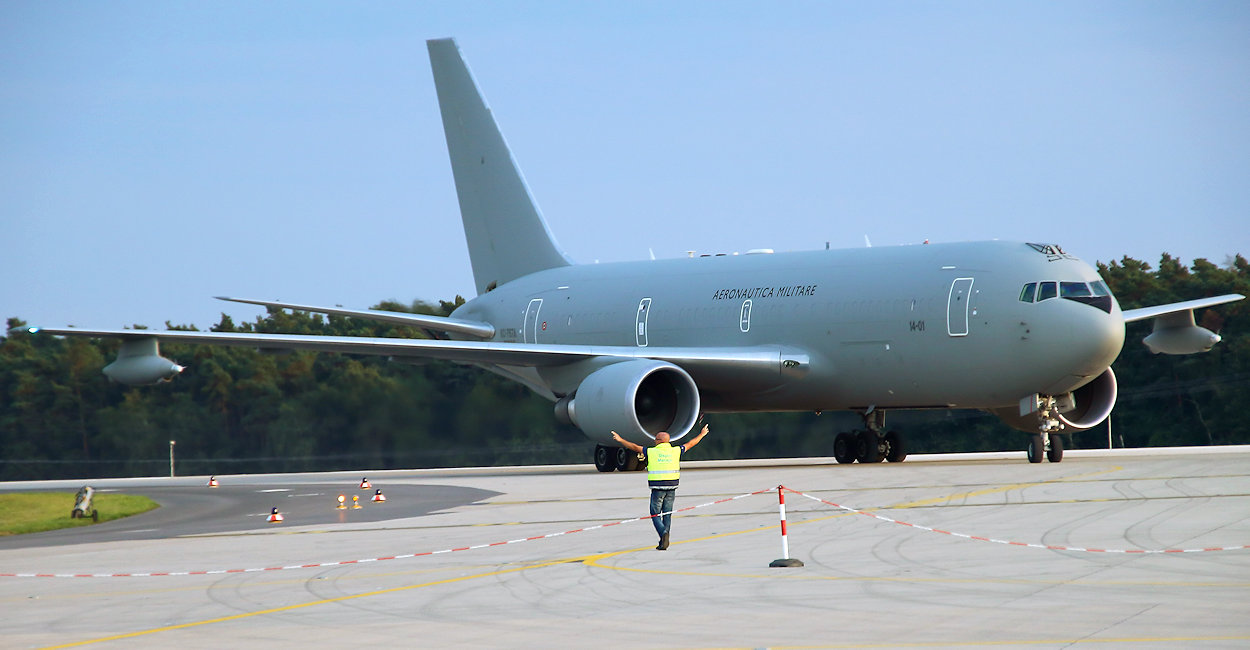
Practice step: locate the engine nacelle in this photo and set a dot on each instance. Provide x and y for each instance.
(1084, 408)
(140, 362)
(637, 399)
(1092, 403)
(1181, 340)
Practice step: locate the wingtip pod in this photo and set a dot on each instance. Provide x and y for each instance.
(1175, 330)
(1182, 340)
(139, 362)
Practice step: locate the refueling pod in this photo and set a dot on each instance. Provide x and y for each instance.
(1180, 340)
(140, 362)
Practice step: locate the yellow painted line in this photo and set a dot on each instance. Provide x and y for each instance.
(288, 608)
(1003, 488)
(589, 560)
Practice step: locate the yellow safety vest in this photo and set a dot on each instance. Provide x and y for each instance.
(662, 464)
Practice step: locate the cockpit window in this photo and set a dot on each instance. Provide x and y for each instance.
(1094, 294)
(1074, 290)
(1046, 291)
(1026, 294)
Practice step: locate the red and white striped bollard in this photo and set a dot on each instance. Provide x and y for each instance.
(786, 560)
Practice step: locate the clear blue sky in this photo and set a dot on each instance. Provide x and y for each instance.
(155, 154)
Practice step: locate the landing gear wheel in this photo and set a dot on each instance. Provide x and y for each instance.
(605, 459)
(896, 452)
(1037, 448)
(625, 460)
(1055, 453)
(869, 448)
(844, 448)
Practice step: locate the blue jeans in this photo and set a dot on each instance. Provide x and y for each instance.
(662, 501)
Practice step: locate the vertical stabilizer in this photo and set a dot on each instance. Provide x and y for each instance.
(505, 231)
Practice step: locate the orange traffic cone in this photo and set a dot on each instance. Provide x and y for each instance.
(341, 506)
(356, 502)
(364, 484)
(275, 517)
(212, 481)
(378, 497)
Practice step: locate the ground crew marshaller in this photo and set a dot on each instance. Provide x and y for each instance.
(663, 471)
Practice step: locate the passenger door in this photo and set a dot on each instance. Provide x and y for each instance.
(957, 307)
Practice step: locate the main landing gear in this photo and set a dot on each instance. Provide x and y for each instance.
(1047, 442)
(870, 445)
(608, 459)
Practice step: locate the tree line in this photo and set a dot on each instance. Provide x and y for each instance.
(242, 410)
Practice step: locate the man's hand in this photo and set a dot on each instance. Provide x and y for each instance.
(616, 436)
(690, 445)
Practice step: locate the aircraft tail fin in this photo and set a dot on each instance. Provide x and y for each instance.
(505, 231)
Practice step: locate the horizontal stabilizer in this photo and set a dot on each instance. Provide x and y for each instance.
(475, 329)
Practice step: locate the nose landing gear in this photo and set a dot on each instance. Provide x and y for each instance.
(1047, 442)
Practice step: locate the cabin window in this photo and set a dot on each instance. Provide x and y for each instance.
(1047, 290)
(1026, 294)
(1099, 288)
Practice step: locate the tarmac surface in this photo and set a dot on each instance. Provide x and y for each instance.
(430, 567)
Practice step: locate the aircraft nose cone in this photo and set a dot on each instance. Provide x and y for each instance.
(1097, 339)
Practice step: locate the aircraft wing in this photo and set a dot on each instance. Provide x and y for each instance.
(1175, 331)
(1182, 310)
(475, 329)
(764, 364)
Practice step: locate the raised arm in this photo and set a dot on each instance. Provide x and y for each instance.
(627, 444)
(690, 445)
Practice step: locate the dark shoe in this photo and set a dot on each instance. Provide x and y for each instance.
(663, 543)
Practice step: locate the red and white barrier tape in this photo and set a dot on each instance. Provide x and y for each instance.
(781, 490)
(1051, 547)
(319, 565)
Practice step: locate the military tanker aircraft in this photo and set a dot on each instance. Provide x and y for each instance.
(1026, 331)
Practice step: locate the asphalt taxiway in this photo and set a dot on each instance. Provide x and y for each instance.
(430, 567)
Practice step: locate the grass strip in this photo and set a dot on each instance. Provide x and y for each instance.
(35, 512)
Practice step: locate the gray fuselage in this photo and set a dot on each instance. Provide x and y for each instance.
(924, 326)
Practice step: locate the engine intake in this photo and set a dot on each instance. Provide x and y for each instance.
(1084, 408)
(1093, 402)
(637, 399)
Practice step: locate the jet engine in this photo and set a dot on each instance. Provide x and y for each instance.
(140, 362)
(637, 399)
(1084, 408)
